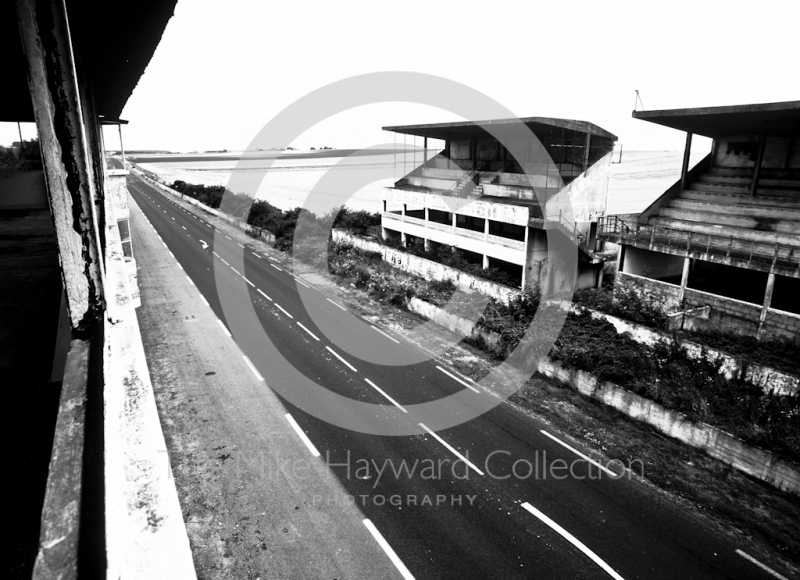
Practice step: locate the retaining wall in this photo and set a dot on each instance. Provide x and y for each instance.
(430, 269)
(747, 458)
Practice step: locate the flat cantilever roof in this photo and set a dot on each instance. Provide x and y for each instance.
(774, 118)
(468, 129)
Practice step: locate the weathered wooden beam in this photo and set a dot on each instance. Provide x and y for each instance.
(72, 190)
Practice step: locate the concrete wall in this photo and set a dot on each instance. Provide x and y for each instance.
(429, 269)
(769, 379)
(587, 194)
(649, 264)
(460, 150)
(741, 152)
(749, 459)
(668, 295)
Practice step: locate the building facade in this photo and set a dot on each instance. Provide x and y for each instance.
(500, 188)
(720, 249)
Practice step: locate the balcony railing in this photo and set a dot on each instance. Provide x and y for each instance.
(730, 247)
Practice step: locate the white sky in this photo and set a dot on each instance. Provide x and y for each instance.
(224, 69)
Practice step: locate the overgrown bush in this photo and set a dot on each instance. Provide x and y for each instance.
(27, 158)
(623, 302)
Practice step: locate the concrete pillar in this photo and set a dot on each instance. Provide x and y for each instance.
(485, 262)
(58, 106)
(454, 224)
(687, 262)
(762, 141)
(486, 230)
(425, 149)
(402, 220)
(767, 302)
(621, 259)
(427, 242)
(586, 151)
(685, 166)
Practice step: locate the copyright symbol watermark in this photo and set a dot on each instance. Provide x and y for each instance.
(303, 391)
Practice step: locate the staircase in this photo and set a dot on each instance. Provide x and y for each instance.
(717, 204)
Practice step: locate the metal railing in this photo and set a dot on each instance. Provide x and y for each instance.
(728, 246)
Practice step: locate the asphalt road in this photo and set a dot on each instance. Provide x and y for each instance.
(512, 512)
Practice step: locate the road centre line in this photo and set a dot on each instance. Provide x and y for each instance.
(404, 572)
(179, 265)
(184, 228)
(224, 328)
(253, 368)
(284, 310)
(336, 304)
(337, 355)
(229, 238)
(452, 449)
(237, 271)
(256, 255)
(572, 540)
(248, 281)
(764, 567)
(240, 245)
(203, 298)
(384, 334)
(579, 454)
(274, 266)
(171, 254)
(299, 281)
(264, 295)
(216, 254)
(455, 378)
(300, 324)
(190, 280)
(377, 388)
(302, 435)
(224, 261)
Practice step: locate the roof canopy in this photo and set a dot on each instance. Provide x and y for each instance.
(773, 118)
(472, 129)
(116, 41)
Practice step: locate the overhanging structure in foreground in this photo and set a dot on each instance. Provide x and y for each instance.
(109, 507)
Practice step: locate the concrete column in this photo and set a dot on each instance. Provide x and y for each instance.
(427, 242)
(687, 262)
(762, 141)
(425, 149)
(454, 224)
(485, 261)
(621, 259)
(486, 230)
(767, 302)
(685, 166)
(586, 151)
(58, 106)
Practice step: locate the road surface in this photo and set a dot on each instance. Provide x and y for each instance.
(495, 500)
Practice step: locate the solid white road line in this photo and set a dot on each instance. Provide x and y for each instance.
(384, 334)
(764, 567)
(573, 540)
(336, 304)
(377, 388)
(398, 563)
(299, 281)
(455, 378)
(452, 449)
(240, 245)
(224, 329)
(248, 281)
(579, 454)
(203, 298)
(302, 435)
(284, 310)
(190, 280)
(274, 266)
(264, 295)
(337, 355)
(253, 368)
(300, 324)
